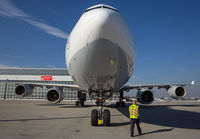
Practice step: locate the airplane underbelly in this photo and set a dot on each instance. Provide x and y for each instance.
(100, 65)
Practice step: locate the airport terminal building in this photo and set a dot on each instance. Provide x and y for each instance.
(9, 78)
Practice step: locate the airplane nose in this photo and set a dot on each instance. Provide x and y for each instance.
(109, 24)
(102, 58)
(104, 24)
(103, 18)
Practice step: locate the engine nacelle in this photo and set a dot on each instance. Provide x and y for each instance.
(145, 96)
(24, 90)
(176, 92)
(55, 95)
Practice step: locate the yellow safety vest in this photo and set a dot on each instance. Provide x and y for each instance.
(133, 110)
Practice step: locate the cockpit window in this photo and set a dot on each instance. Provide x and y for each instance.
(89, 9)
(110, 8)
(102, 6)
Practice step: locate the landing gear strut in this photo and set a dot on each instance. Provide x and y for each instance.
(81, 98)
(100, 115)
(121, 102)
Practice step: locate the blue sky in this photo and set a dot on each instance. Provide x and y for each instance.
(33, 34)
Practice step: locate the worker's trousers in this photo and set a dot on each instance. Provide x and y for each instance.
(132, 125)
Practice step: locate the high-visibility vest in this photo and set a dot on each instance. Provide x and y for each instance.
(133, 110)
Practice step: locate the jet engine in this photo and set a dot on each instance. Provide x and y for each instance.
(176, 92)
(145, 96)
(55, 95)
(24, 90)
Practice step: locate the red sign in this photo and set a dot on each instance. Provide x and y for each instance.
(46, 78)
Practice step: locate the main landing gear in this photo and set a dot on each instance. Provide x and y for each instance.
(100, 115)
(81, 98)
(120, 102)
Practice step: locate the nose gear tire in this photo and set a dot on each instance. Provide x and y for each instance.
(94, 117)
(106, 117)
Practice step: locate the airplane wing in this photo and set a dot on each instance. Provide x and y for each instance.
(150, 86)
(55, 92)
(73, 87)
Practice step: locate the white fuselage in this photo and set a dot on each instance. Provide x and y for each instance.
(100, 51)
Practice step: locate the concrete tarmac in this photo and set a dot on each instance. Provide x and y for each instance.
(21, 119)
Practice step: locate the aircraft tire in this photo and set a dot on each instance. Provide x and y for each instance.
(117, 104)
(106, 117)
(94, 117)
(122, 104)
(77, 103)
(82, 103)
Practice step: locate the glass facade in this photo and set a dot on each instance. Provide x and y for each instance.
(7, 87)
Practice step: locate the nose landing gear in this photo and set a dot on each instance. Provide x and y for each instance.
(100, 115)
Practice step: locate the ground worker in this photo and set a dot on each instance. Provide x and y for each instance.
(134, 118)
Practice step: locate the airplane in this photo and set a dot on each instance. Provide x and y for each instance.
(100, 57)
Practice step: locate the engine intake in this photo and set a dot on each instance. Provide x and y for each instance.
(55, 95)
(145, 96)
(176, 92)
(24, 90)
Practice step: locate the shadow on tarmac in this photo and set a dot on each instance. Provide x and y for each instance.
(41, 119)
(53, 118)
(164, 115)
(64, 105)
(119, 124)
(156, 131)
